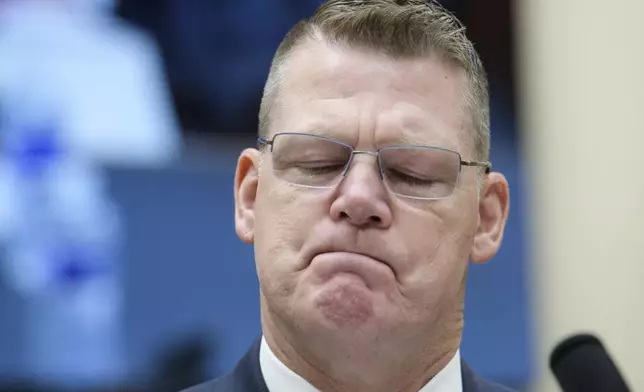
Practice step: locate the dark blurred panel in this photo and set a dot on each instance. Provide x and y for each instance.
(217, 53)
(182, 365)
(490, 25)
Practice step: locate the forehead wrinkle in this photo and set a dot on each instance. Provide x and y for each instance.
(322, 117)
(408, 125)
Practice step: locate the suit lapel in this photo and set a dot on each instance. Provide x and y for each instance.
(474, 383)
(247, 375)
(468, 378)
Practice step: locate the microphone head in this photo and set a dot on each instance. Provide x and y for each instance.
(581, 364)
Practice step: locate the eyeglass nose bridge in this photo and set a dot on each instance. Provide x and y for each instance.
(365, 152)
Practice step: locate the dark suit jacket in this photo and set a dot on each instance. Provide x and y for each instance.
(247, 377)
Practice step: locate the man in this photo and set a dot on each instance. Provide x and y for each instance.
(367, 197)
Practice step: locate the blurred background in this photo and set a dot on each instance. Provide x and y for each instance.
(120, 125)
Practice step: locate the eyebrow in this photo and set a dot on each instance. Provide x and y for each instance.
(412, 140)
(317, 130)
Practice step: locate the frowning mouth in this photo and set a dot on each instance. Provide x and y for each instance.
(349, 252)
(373, 271)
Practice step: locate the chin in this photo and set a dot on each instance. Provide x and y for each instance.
(345, 305)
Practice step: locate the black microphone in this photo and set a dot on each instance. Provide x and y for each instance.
(581, 364)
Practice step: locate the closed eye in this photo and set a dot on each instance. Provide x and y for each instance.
(397, 175)
(321, 170)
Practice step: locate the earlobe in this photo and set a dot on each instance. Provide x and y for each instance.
(246, 182)
(494, 205)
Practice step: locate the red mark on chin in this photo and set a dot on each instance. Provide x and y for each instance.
(346, 305)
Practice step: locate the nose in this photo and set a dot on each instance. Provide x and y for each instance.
(362, 198)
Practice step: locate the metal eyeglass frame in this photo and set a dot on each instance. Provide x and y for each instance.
(269, 142)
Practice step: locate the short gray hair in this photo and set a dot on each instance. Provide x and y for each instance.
(400, 29)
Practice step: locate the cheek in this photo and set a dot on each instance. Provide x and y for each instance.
(282, 223)
(442, 242)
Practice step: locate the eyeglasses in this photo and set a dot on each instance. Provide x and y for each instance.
(417, 172)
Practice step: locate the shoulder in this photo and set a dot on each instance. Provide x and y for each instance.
(218, 385)
(474, 383)
(245, 377)
(235, 381)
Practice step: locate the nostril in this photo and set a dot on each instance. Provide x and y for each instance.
(371, 219)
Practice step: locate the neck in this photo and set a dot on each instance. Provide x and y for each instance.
(332, 363)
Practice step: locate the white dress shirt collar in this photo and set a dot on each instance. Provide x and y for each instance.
(279, 378)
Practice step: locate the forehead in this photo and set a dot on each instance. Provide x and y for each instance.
(367, 97)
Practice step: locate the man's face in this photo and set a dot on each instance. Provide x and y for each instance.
(357, 260)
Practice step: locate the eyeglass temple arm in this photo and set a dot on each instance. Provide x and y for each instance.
(486, 165)
(264, 142)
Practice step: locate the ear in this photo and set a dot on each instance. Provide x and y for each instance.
(246, 181)
(494, 205)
